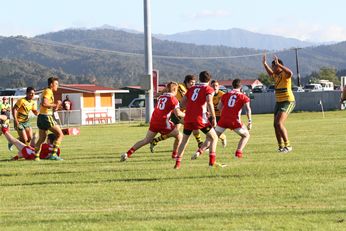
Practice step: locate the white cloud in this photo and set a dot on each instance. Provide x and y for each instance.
(309, 32)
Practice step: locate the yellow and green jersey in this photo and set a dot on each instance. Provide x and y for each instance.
(5, 106)
(181, 91)
(24, 107)
(216, 100)
(48, 94)
(283, 87)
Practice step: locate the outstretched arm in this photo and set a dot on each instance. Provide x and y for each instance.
(266, 66)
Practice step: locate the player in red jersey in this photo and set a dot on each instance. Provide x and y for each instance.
(231, 105)
(24, 151)
(160, 122)
(199, 101)
(47, 148)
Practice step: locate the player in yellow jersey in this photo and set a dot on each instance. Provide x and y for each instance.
(216, 99)
(46, 120)
(285, 101)
(189, 81)
(21, 111)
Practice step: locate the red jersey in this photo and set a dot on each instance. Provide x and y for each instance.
(28, 153)
(233, 103)
(160, 122)
(196, 105)
(46, 151)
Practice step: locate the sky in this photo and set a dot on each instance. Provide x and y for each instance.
(314, 20)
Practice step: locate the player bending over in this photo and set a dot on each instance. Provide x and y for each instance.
(160, 122)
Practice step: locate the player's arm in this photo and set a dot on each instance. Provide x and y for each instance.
(220, 106)
(210, 107)
(178, 113)
(266, 66)
(46, 103)
(285, 69)
(15, 116)
(249, 115)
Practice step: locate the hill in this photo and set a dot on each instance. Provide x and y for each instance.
(237, 38)
(115, 58)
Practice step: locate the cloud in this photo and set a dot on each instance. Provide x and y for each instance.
(309, 32)
(209, 14)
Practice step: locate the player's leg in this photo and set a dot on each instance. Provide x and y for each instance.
(28, 133)
(42, 136)
(198, 138)
(147, 139)
(280, 119)
(18, 144)
(182, 147)
(245, 136)
(56, 144)
(178, 138)
(211, 137)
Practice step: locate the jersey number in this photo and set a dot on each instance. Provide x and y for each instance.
(195, 94)
(162, 103)
(232, 100)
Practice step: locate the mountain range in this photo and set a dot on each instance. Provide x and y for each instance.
(236, 38)
(115, 58)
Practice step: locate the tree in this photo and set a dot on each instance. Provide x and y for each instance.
(265, 79)
(325, 73)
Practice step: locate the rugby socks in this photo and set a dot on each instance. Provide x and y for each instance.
(238, 153)
(198, 139)
(212, 158)
(174, 154)
(37, 153)
(158, 139)
(56, 146)
(281, 145)
(287, 144)
(130, 152)
(177, 162)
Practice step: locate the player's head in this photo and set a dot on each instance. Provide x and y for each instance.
(190, 81)
(215, 85)
(53, 83)
(30, 93)
(275, 67)
(204, 77)
(172, 87)
(236, 84)
(4, 99)
(51, 138)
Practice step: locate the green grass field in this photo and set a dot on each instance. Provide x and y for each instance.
(92, 190)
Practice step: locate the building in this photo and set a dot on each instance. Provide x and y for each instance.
(91, 104)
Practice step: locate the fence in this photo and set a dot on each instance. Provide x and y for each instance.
(262, 103)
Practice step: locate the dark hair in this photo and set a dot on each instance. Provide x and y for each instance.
(214, 81)
(51, 137)
(188, 78)
(29, 89)
(279, 61)
(51, 80)
(236, 83)
(204, 76)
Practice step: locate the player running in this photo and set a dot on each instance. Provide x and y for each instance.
(198, 99)
(160, 122)
(20, 112)
(189, 81)
(231, 105)
(46, 121)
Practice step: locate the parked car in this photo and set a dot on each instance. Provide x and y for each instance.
(313, 87)
(259, 89)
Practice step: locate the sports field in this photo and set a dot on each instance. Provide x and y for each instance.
(92, 190)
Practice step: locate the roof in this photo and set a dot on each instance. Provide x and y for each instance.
(91, 88)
